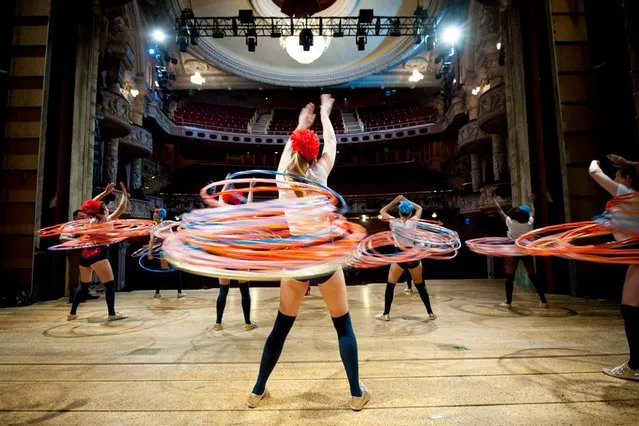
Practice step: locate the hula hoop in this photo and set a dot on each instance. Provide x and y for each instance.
(495, 246)
(254, 241)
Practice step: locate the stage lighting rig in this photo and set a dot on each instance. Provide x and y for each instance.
(366, 24)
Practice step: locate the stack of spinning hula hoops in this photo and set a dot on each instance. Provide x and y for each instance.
(570, 240)
(254, 241)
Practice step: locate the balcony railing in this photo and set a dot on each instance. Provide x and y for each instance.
(199, 131)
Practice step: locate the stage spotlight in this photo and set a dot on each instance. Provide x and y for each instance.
(306, 39)
(151, 51)
(159, 36)
(182, 39)
(194, 35)
(451, 35)
(361, 39)
(251, 40)
(430, 42)
(361, 44)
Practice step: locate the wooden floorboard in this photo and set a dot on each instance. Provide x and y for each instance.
(476, 364)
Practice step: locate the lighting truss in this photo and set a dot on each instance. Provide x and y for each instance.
(246, 24)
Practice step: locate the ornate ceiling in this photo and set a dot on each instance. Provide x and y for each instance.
(303, 7)
(226, 63)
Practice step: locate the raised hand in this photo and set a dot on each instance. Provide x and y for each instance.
(619, 161)
(252, 183)
(109, 188)
(327, 104)
(307, 117)
(594, 166)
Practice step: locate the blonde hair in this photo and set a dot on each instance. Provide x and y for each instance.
(298, 166)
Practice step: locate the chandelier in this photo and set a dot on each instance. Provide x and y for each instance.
(416, 77)
(296, 51)
(197, 78)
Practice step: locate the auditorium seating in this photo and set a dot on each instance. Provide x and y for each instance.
(395, 115)
(285, 120)
(215, 117)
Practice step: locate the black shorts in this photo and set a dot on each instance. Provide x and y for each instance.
(91, 255)
(317, 280)
(406, 265)
(409, 265)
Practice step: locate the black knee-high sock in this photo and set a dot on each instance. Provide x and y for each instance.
(539, 287)
(388, 297)
(631, 323)
(109, 294)
(81, 293)
(510, 284)
(246, 302)
(423, 293)
(221, 302)
(348, 351)
(273, 350)
(160, 282)
(409, 280)
(178, 276)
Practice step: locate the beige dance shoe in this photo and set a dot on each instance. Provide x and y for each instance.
(218, 326)
(622, 372)
(72, 317)
(505, 305)
(383, 317)
(251, 326)
(254, 400)
(116, 317)
(181, 295)
(432, 316)
(358, 402)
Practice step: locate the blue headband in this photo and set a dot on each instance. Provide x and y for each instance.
(526, 208)
(405, 207)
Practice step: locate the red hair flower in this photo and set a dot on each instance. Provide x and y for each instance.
(233, 198)
(305, 143)
(91, 207)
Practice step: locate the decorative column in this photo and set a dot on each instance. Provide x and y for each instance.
(472, 102)
(137, 112)
(499, 161)
(118, 40)
(136, 181)
(516, 107)
(111, 159)
(86, 80)
(475, 171)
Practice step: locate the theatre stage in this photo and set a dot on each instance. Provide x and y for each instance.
(476, 364)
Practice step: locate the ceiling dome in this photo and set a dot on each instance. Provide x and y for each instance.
(271, 64)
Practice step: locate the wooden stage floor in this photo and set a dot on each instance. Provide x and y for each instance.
(476, 364)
